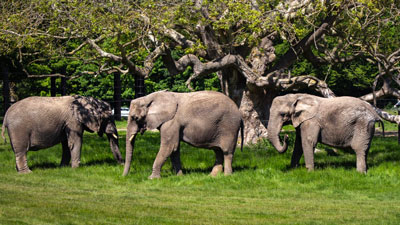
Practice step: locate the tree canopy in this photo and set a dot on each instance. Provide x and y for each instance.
(250, 50)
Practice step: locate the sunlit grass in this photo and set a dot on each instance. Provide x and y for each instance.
(262, 190)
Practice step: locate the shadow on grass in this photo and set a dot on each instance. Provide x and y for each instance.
(48, 165)
(347, 165)
(107, 161)
(44, 166)
(209, 169)
(375, 159)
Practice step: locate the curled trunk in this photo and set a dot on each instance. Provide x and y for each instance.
(115, 148)
(274, 128)
(277, 143)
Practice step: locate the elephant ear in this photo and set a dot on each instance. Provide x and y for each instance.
(304, 108)
(90, 111)
(161, 108)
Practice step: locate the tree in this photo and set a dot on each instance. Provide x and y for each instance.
(239, 41)
(258, 49)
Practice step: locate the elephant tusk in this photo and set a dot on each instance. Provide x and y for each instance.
(115, 136)
(131, 138)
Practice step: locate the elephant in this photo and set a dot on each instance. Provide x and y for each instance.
(205, 119)
(41, 122)
(345, 122)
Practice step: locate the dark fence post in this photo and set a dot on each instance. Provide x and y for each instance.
(117, 96)
(53, 89)
(6, 85)
(398, 129)
(63, 86)
(140, 89)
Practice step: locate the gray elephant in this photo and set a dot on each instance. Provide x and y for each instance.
(338, 122)
(40, 122)
(203, 119)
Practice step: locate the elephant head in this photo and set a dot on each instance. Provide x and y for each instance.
(96, 116)
(296, 108)
(148, 112)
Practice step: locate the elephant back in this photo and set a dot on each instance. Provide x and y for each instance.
(90, 112)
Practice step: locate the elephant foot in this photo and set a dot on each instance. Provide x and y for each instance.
(179, 173)
(362, 171)
(216, 170)
(228, 174)
(74, 165)
(25, 171)
(154, 176)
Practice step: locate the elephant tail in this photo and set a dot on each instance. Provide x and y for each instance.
(383, 128)
(241, 135)
(3, 128)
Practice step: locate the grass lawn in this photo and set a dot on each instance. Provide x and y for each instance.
(262, 190)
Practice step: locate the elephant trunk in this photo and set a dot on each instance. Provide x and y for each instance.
(113, 139)
(274, 129)
(130, 142)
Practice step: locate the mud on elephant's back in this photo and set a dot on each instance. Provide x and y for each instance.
(41, 122)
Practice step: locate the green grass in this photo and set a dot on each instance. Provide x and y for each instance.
(262, 190)
(121, 124)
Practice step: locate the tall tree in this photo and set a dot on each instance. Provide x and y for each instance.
(255, 47)
(241, 41)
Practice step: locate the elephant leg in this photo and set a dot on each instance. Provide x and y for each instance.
(75, 144)
(361, 143)
(21, 161)
(20, 150)
(169, 144)
(361, 161)
(66, 154)
(162, 155)
(228, 145)
(309, 138)
(228, 160)
(298, 150)
(219, 160)
(176, 161)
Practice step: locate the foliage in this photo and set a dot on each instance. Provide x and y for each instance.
(40, 35)
(350, 79)
(262, 189)
(160, 79)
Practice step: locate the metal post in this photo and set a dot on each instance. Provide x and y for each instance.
(63, 86)
(53, 89)
(398, 129)
(117, 96)
(139, 86)
(6, 86)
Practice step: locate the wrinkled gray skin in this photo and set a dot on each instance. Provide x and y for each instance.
(40, 122)
(338, 122)
(203, 119)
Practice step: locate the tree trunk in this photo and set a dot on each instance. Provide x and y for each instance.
(117, 96)
(6, 85)
(63, 86)
(254, 103)
(140, 90)
(53, 88)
